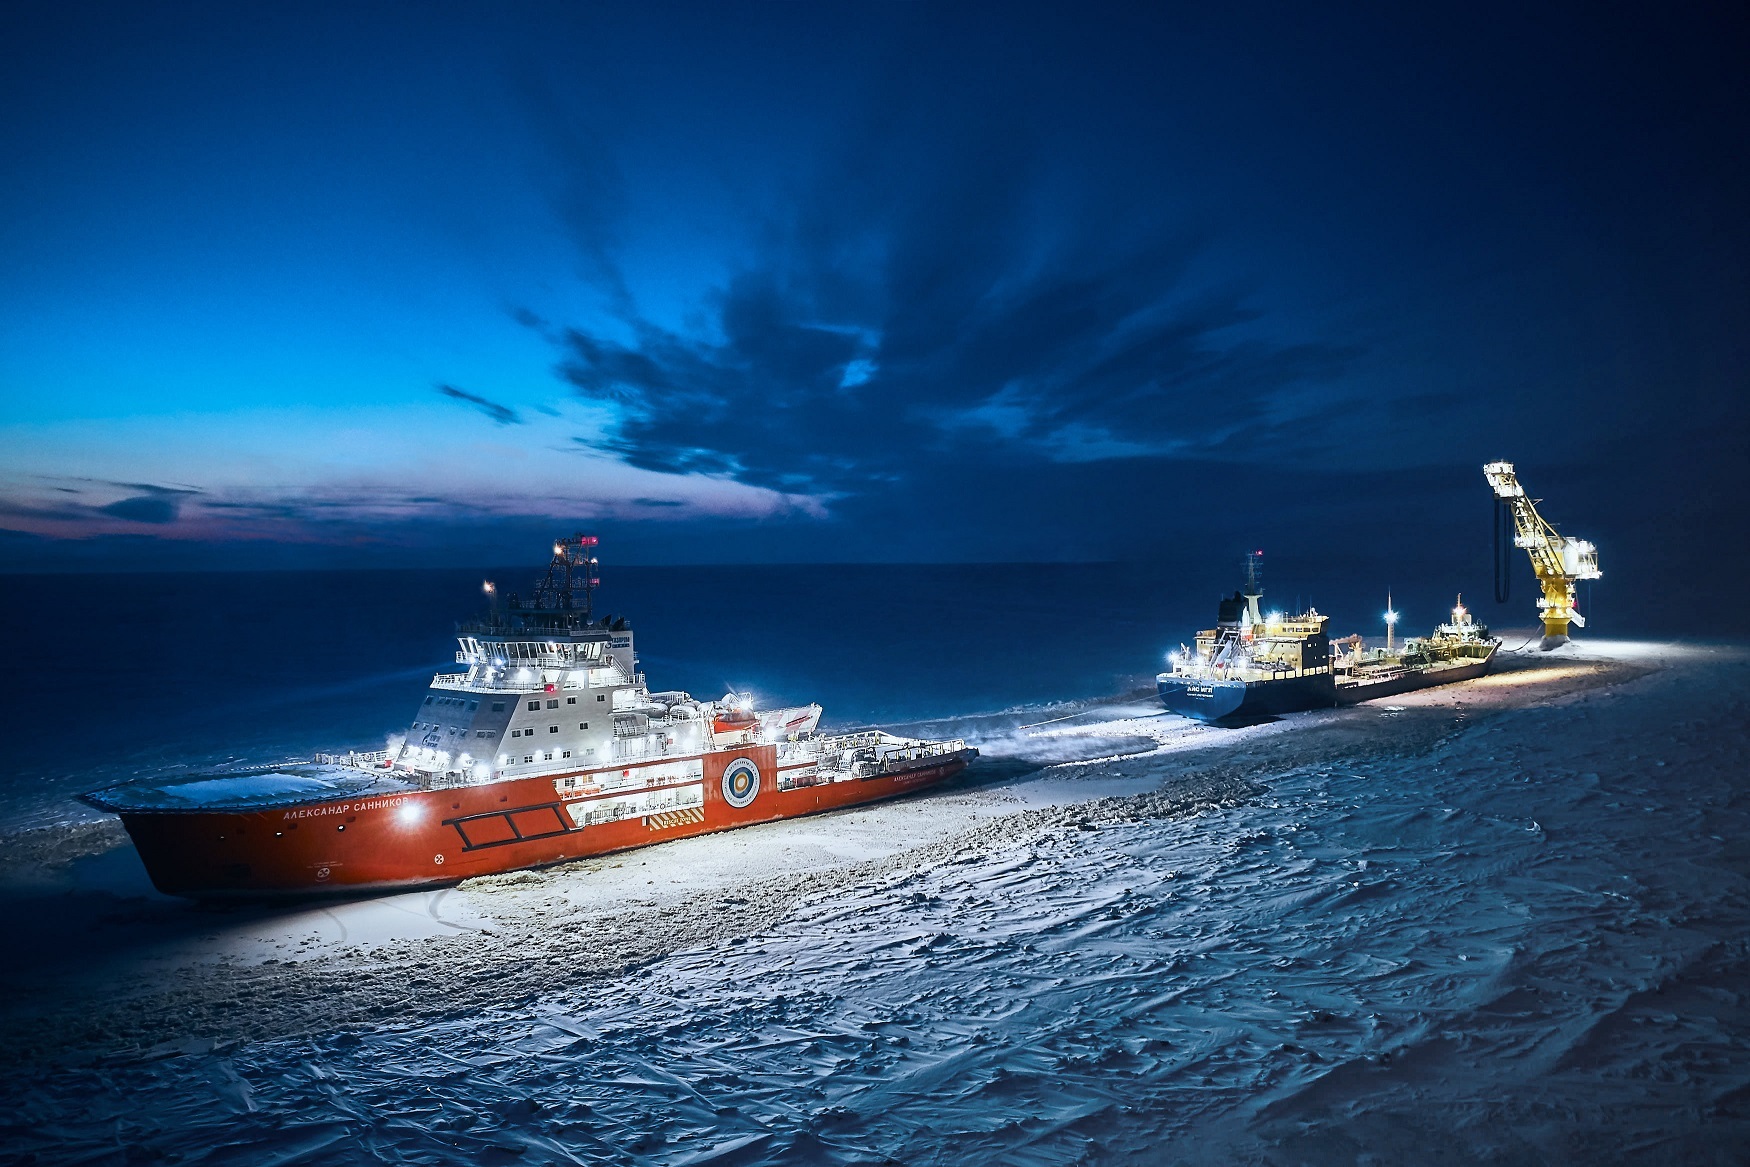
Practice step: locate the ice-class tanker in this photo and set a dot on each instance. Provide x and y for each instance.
(546, 746)
(1253, 664)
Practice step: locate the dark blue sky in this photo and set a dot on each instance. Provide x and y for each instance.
(292, 285)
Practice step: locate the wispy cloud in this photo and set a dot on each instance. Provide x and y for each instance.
(502, 414)
(312, 478)
(142, 509)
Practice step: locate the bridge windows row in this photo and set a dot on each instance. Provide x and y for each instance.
(457, 701)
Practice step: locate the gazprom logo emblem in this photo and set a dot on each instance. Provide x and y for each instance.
(741, 782)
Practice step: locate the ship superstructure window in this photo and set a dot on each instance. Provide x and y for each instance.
(528, 757)
(601, 696)
(553, 704)
(534, 705)
(552, 729)
(428, 700)
(548, 756)
(583, 725)
(571, 701)
(565, 754)
(498, 707)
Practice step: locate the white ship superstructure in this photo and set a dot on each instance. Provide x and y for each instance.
(546, 745)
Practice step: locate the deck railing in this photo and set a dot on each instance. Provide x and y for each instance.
(355, 758)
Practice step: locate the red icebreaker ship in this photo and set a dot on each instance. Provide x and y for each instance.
(547, 746)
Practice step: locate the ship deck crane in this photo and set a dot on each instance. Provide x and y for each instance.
(1559, 562)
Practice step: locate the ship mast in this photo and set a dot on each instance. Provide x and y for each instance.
(570, 583)
(1254, 589)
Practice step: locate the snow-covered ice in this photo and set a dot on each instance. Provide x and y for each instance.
(1504, 921)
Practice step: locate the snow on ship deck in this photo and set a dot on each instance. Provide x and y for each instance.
(296, 784)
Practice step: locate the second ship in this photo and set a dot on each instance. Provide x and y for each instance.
(546, 746)
(1252, 665)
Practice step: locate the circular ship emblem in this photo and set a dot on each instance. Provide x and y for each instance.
(741, 782)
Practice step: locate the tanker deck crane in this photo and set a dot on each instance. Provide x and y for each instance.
(1559, 562)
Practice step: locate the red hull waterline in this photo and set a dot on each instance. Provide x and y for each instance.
(387, 841)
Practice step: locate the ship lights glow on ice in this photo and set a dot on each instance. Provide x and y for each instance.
(617, 765)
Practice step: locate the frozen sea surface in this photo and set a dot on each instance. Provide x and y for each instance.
(1507, 921)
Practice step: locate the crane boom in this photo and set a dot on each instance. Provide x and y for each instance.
(1557, 561)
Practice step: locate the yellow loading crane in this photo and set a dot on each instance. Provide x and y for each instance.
(1559, 562)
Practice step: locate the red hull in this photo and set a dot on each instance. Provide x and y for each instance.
(429, 837)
